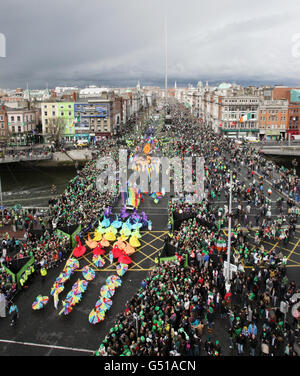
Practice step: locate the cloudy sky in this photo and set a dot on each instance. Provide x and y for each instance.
(75, 42)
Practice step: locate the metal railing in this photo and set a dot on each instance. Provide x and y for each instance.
(19, 158)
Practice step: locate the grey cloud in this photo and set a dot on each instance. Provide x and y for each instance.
(74, 41)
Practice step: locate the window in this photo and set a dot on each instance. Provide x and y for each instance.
(13, 129)
(53, 113)
(19, 128)
(70, 113)
(46, 113)
(12, 118)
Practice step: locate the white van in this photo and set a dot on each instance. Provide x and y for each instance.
(251, 139)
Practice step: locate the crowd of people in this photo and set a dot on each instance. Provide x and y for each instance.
(28, 153)
(80, 204)
(178, 309)
(186, 309)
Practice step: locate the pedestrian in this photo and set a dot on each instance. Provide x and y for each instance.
(15, 314)
(253, 345)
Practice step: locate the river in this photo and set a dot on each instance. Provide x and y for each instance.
(29, 185)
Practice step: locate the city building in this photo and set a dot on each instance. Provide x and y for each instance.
(273, 119)
(3, 125)
(97, 117)
(21, 125)
(58, 121)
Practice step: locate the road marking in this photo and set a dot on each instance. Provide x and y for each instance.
(292, 251)
(47, 346)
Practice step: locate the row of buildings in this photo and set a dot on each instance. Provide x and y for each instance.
(68, 114)
(265, 112)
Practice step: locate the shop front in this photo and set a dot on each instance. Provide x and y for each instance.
(273, 135)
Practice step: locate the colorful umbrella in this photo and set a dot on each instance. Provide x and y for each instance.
(74, 298)
(40, 302)
(72, 263)
(66, 308)
(80, 249)
(98, 250)
(120, 244)
(122, 238)
(106, 291)
(63, 277)
(124, 259)
(80, 286)
(136, 233)
(88, 273)
(127, 224)
(95, 316)
(107, 303)
(117, 252)
(98, 261)
(91, 243)
(57, 288)
(134, 242)
(114, 280)
(104, 243)
(99, 304)
(124, 214)
(112, 230)
(106, 222)
(129, 250)
(97, 236)
(136, 226)
(122, 269)
(100, 229)
(110, 236)
(117, 223)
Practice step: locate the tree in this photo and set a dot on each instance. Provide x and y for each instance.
(56, 127)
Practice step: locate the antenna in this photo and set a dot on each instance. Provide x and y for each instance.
(166, 62)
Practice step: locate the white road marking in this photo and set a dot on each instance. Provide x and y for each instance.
(47, 346)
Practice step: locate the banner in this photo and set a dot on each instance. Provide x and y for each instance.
(24, 269)
(61, 234)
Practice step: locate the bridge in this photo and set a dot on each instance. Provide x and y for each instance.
(292, 151)
(25, 158)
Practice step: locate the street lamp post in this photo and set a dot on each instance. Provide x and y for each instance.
(229, 231)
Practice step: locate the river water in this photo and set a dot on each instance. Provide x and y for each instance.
(30, 186)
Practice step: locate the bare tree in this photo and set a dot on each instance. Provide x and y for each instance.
(56, 128)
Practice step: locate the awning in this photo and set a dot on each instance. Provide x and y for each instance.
(239, 130)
